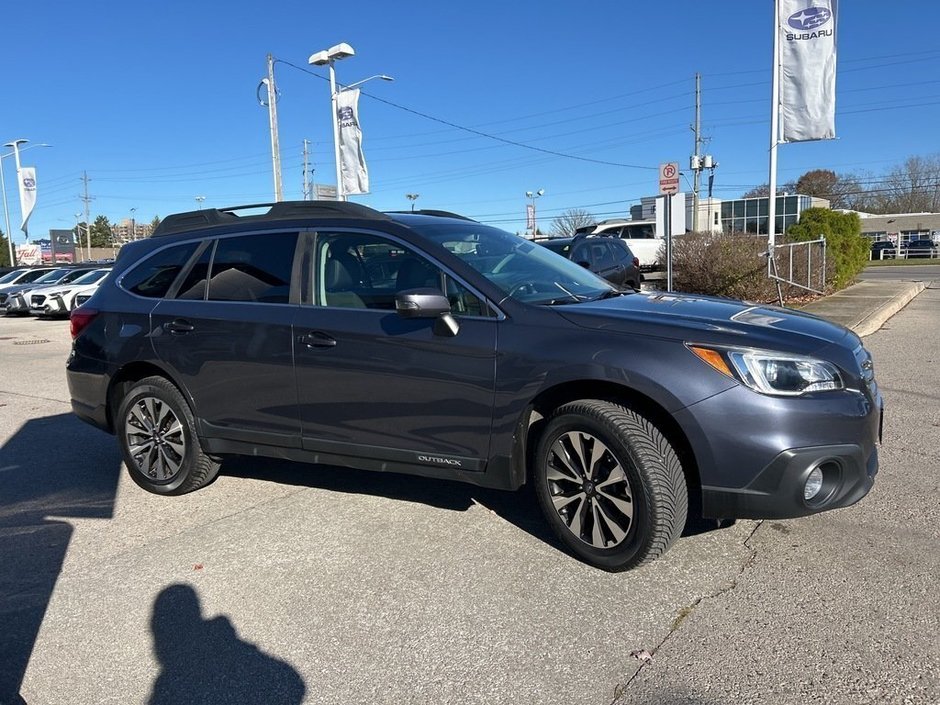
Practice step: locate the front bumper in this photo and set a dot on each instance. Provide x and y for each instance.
(49, 306)
(16, 305)
(777, 491)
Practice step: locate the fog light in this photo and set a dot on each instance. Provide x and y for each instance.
(813, 484)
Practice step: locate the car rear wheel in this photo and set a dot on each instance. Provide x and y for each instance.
(158, 438)
(610, 484)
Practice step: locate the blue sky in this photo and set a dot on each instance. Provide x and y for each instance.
(156, 100)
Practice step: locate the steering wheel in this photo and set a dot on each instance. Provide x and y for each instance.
(522, 288)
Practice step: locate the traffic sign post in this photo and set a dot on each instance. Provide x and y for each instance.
(668, 186)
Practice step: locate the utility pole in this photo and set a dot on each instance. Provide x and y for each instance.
(272, 124)
(87, 199)
(306, 172)
(696, 151)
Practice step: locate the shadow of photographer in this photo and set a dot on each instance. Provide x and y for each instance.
(204, 660)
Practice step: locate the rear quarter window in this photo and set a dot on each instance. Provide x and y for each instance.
(154, 275)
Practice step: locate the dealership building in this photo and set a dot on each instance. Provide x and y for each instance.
(911, 226)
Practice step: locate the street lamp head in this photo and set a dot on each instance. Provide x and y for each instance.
(529, 194)
(386, 78)
(540, 191)
(16, 143)
(334, 53)
(341, 51)
(321, 58)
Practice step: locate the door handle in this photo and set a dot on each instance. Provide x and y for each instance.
(179, 326)
(317, 340)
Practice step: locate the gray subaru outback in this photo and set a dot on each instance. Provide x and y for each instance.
(430, 344)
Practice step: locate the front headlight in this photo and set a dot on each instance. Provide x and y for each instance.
(774, 373)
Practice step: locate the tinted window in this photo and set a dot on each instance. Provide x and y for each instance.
(562, 247)
(622, 252)
(643, 231)
(253, 268)
(194, 286)
(30, 277)
(153, 276)
(601, 256)
(53, 276)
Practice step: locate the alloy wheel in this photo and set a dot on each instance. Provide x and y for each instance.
(590, 490)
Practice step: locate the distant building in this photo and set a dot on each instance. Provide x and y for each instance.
(749, 215)
(911, 226)
(128, 230)
(740, 215)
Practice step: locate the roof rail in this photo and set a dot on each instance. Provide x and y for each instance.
(439, 214)
(181, 222)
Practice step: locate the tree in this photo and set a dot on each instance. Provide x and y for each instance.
(912, 187)
(568, 222)
(764, 189)
(841, 191)
(845, 244)
(4, 251)
(154, 223)
(101, 235)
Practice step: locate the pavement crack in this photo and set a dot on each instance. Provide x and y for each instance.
(34, 396)
(685, 612)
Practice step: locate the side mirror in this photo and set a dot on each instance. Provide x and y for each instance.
(428, 303)
(421, 303)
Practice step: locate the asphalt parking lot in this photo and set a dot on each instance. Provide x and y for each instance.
(284, 583)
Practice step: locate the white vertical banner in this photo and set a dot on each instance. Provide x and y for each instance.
(26, 176)
(530, 217)
(807, 36)
(355, 174)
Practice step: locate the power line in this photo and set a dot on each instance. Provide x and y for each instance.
(479, 133)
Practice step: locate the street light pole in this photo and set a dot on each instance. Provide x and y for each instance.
(6, 214)
(412, 197)
(532, 195)
(328, 57)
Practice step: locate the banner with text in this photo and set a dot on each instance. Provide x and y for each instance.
(807, 37)
(352, 160)
(27, 180)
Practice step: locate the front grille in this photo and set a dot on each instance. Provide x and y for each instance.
(37, 299)
(3, 298)
(79, 300)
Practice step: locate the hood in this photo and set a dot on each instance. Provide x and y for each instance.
(708, 319)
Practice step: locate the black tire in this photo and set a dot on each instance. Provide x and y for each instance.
(617, 525)
(165, 458)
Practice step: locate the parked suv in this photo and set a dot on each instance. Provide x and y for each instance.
(331, 333)
(608, 257)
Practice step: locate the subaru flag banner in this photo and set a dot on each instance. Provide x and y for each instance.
(807, 37)
(27, 179)
(355, 174)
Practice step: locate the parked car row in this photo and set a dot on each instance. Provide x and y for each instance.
(913, 249)
(48, 291)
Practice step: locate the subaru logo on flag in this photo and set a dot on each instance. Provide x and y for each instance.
(29, 183)
(345, 114)
(810, 18)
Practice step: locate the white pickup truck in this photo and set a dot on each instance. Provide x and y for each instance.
(639, 234)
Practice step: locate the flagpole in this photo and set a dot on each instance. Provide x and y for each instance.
(774, 139)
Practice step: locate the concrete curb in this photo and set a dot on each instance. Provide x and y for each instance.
(873, 320)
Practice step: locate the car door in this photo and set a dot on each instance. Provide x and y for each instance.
(225, 331)
(374, 384)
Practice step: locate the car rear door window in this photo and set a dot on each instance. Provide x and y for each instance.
(254, 268)
(154, 275)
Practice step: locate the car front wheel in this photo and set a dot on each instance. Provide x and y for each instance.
(610, 484)
(158, 438)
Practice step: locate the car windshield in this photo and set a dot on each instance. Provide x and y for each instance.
(92, 277)
(520, 269)
(51, 277)
(10, 276)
